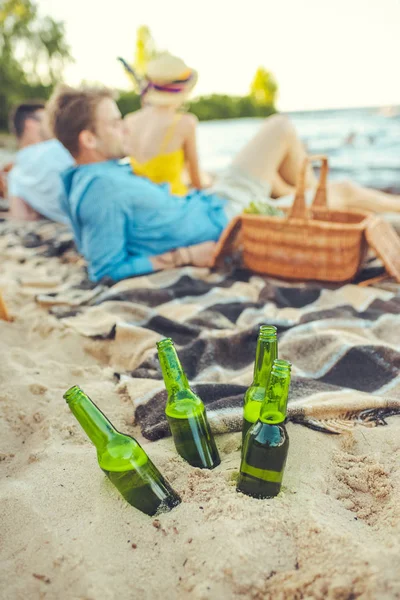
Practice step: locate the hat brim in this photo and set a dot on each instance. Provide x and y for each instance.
(159, 98)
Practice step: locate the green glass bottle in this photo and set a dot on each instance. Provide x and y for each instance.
(186, 413)
(266, 353)
(122, 458)
(266, 445)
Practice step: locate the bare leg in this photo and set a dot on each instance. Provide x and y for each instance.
(348, 195)
(281, 188)
(275, 155)
(275, 149)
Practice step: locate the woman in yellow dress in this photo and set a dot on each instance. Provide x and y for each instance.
(161, 140)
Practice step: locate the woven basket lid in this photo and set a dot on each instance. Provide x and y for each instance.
(229, 243)
(382, 237)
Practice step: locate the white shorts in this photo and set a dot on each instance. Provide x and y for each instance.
(239, 189)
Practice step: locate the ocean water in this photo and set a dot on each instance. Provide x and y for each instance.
(362, 144)
(371, 157)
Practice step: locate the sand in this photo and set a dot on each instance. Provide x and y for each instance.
(67, 534)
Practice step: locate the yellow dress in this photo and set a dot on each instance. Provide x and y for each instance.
(166, 167)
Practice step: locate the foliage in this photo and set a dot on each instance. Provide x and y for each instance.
(33, 52)
(263, 208)
(219, 106)
(263, 88)
(52, 49)
(128, 102)
(207, 108)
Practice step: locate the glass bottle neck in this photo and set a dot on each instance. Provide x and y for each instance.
(274, 408)
(174, 376)
(266, 353)
(95, 424)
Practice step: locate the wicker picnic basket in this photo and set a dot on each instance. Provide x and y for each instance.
(316, 243)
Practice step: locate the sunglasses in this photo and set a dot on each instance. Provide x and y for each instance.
(36, 118)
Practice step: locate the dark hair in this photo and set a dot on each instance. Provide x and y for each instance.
(21, 113)
(72, 111)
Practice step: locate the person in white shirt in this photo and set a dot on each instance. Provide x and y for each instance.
(34, 183)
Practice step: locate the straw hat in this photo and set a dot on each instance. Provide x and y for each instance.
(168, 80)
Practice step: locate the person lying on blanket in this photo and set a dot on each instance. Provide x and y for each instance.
(126, 225)
(34, 183)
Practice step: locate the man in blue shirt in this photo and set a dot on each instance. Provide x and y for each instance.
(34, 184)
(125, 225)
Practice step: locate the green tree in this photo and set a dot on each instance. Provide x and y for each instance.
(54, 51)
(128, 102)
(15, 17)
(220, 106)
(33, 52)
(264, 88)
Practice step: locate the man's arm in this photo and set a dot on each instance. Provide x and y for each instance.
(103, 240)
(19, 209)
(190, 151)
(103, 225)
(198, 255)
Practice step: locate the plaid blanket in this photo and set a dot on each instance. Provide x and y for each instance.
(343, 341)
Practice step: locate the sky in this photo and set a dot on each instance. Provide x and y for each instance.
(323, 53)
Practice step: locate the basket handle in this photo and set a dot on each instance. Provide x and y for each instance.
(299, 208)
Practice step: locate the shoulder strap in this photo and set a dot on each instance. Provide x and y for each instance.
(169, 133)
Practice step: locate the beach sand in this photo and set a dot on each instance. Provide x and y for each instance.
(66, 533)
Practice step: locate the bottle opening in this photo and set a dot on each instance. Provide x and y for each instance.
(165, 343)
(272, 417)
(267, 332)
(279, 362)
(281, 367)
(73, 393)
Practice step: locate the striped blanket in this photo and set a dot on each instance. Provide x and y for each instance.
(343, 341)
